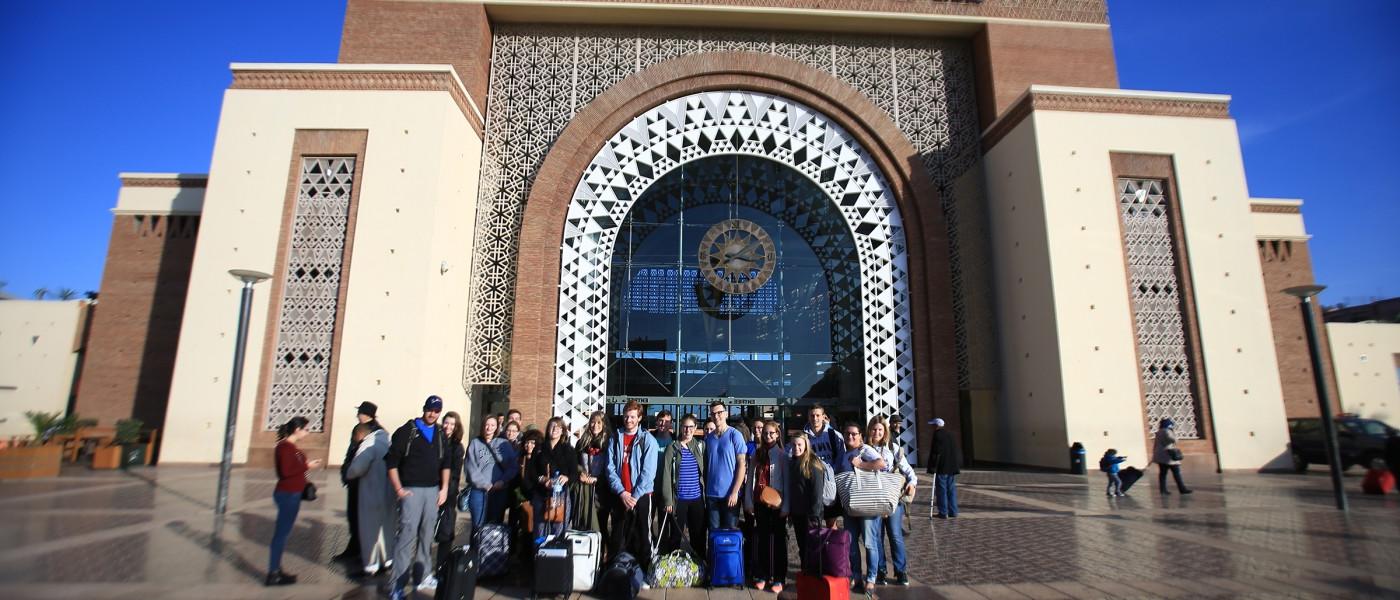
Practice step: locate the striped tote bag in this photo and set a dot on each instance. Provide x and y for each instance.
(869, 493)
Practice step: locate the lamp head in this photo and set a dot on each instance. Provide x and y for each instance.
(1304, 291)
(248, 277)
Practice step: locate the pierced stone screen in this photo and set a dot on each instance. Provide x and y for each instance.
(311, 292)
(1161, 334)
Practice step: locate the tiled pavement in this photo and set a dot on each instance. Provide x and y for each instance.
(149, 533)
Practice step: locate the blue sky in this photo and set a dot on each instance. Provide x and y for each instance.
(90, 89)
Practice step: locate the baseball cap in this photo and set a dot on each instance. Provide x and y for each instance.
(367, 409)
(936, 422)
(432, 404)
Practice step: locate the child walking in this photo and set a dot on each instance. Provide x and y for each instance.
(1109, 465)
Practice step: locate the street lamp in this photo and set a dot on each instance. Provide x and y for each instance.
(249, 278)
(1305, 293)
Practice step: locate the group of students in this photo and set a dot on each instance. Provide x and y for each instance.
(624, 484)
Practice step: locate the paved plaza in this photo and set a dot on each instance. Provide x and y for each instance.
(149, 533)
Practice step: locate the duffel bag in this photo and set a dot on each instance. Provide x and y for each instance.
(869, 493)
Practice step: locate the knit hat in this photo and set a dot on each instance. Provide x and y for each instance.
(1166, 424)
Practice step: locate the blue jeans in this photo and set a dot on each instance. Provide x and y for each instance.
(865, 532)
(720, 514)
(947, 494)
(288, 505)
(1115, 484)
(486, 507)
(894, 529)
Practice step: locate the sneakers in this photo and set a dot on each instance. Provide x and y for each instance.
(646, 586)
(760, 585)
(279, 578)
(777, 588)
(880, 578)
(371, 569)
(901, 578)
(429, 583)
(1184, 492)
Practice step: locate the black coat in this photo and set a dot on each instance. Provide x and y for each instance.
(944, 455)
(562, 458)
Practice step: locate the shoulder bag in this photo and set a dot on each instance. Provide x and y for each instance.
(869, 493)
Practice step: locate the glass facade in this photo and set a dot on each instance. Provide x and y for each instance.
(735, 277)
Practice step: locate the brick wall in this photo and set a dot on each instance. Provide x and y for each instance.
(1286, 263)
(1010, 58)
(136, 322)
(439, 33)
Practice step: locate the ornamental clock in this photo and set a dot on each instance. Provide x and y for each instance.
(737, 256)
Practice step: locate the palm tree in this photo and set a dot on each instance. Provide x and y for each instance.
(40, 293)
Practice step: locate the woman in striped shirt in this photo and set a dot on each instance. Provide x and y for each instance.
(682, 482)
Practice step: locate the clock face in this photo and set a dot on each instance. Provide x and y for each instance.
(737, 256)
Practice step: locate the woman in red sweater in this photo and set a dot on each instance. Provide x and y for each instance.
(291, 467)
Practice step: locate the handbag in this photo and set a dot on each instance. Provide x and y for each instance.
(446, 525)
(308, 493)
(1174, 454)
(869, 493)
(769, 496)
(554, 508)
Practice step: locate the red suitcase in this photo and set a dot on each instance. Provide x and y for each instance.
(811, 587)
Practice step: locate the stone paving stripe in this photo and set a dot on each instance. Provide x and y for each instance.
(1268, 585)
(1198, 587)
(1037, 590)
(1164, 589)
(997, 591)
(1076, 590)
(958, 592)
(1115, 589)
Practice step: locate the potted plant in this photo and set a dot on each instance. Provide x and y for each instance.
(38, 457)
(128, 437)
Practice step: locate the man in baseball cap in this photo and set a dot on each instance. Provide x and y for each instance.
(419, 468)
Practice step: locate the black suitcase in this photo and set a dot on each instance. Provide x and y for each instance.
(1129, 476)
(457, 576)
(554, 568)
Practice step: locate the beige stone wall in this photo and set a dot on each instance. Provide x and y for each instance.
(1366, 357)
(404, 315)
(1069, 350)
(39, 343)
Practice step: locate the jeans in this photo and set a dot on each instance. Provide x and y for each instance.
(894, 529)
(946, 491)
(865, 532)
(486, 507)
(288, 505)
(1162, 477)
(631, 531)
(1115, 484)
(721, 515)
(690, 514)
(770, 546)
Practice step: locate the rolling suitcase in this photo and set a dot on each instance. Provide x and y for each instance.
(726, 557)
(492, 543)
(828, 552)
(554, 568)
(457, 576)
(1129, 476)
(826, 587)
(586, 548)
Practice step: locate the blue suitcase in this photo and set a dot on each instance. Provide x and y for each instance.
(726, 557)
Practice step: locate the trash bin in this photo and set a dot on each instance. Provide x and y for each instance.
(1076, 459)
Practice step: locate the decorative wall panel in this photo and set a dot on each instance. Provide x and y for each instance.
(543, 75)
(311, 292)
(1167, 377)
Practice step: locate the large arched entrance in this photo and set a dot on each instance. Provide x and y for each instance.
(765, 127)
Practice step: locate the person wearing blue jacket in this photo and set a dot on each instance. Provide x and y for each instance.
(631, 476)
(1109, 465)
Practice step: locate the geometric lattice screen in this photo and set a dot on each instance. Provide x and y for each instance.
(1165, 363)
(717, 123)
(302, 362)
(542, 75)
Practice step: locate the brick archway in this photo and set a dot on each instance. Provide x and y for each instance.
(536, 310)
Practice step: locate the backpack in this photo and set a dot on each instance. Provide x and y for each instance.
(622, 580)
(1104, 463)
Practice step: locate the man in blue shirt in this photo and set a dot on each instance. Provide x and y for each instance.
(725, 467)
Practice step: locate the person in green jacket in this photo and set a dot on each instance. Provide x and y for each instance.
(682, 483)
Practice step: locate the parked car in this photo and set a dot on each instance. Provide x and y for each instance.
(1360, 440)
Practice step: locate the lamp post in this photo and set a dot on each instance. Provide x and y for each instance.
(249, 278)
(1305, 293)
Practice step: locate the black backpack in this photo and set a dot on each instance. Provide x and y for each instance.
(1103, 464)
(622, 580)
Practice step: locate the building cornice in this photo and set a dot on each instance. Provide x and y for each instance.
(1105, 101)
(1279, 209)
(335, 77)
(164, 180)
